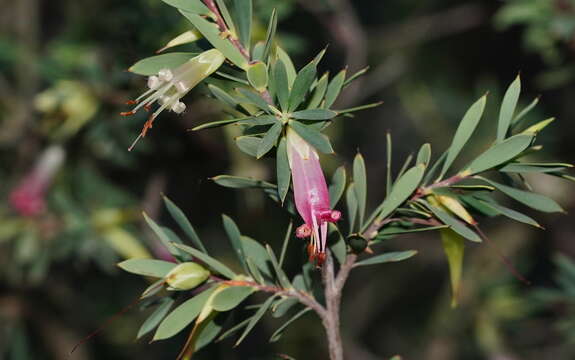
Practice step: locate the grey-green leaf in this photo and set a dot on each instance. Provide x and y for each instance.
(281, 84)
(334, 88)
(258, 254)
(147, 267)
(257, 316)
(195, 7)
(243, 17)
(278, 333)
(248, 144)
(313, 137)
(164, 238)
(424, 155)
(283, 172)
(314, 114)
(234, 235)
(500, 153)
(269, 139)
(231, 297)
(510, 213)
(455, 224)
(156, 316)
(152, 65)
(181, 219)
(239, 182)
(387, 257)
(360, 181)
(352, 205)
(283, 279)
(464, 132)
(337, 186)
(301, 85)
(214, 264)
(508, 108)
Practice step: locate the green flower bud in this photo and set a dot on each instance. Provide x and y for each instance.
(357, 243)
(186, 276)
(258, 75)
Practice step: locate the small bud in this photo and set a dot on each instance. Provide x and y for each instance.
(258, 75)
(357, 243)
(186, 276)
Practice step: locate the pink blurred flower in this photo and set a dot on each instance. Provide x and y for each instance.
(28, 197)
(311, 195)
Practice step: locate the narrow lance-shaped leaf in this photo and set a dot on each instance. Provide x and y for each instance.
(257, 74)
(269, 139)
(337, 186)
(257, 316)
(278, 333)
(464, 132)
(517, 119)
(454, 247)
(387, 257)
(214, 264)
(454, 224)
(283, 279)
(270, 35)
(243, 18)
(281, 84)
(319, 91)
(301, 85)
(508, 108)
(289, 67)
(287, 238)
(314, 114)
(258, 254)
(360, 181)
(352, 204)
(184, 223)
(388, 180)
(235, 235)
(424, 155)
(152, 65)
(195, 7)
(334, 88)
(156, 317)
(282, 169)
(166, 241)
(239, 182)
(313, 137)
(510, 213)
(147, 267)
(227, 17)
(184, 38)
(499, 154)
(230, 297)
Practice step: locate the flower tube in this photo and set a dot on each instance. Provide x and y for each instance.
(169, 86)
(311, 195)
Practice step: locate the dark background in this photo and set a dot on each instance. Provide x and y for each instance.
(429, 61)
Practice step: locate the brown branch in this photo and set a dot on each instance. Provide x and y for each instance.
(224, 29)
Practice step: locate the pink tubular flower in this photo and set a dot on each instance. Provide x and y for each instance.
(311, 195)
(28, 198)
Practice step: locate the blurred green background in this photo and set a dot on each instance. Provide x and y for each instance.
(63, 81)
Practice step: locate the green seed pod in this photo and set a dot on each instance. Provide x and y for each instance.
(186, 276)
(258, 75)
(357, 243)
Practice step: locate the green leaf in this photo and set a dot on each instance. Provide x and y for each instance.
(147, 267)
(319, 92)
(387, 257)
(253, 98)
(522, 113)
(215, 124)
(258, 120)
(464, 132)
(301, 85)
(424, 155)
(156, 316)
(289, 67)
(283, 172)
(239, 182)
(183, 222)
(152, 65)
(453, 246)
(337, 186)
(287, 237)
(355, 76)
(248, 144)
(337, 246)
(234, 329)
(230, 297)
(537, 127)
(243, 16)
(235, 238)
(508, 108)
(387, 232)
(279, 332)
(535, 201)
(352, 205)
(195, 7)
(401, 191)
(182, 316)
(314, 114)
(500, 153)
(534, 167)
(258, 75)
(239, 78)
(334, 88)
(270, 34)
(214, 264)
(258, 254)
(388, 180)
(281, 84)
(222, 96)
(212, 34)
(358, 108)
(510, 213)
(282, 306)
(455, 224)
(283, 279)
(313, 137)
(226, 15)
(254, 320)
(269, 139)
(405, 165)
(360, 181)
(166, 241)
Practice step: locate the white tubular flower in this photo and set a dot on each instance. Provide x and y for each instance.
(170, 85)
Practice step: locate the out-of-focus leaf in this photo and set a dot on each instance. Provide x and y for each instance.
(243, 17)
(334, 88)
(352, 205)
(455, 224)
(283, 172)
(313, 137)
(287, 238)
(314, 114)
(405, 165)
(360, 181)
(533, 200)
(258, 254)
(156, 316)
(147, 267)
(182, 316)
(512, 214)
(184, 223)
(359, 108)
(536, 128)
(388, 152)
(212, 34)
(166, 241)
(269, 139)
(517, 119)
(337, 243)
(301, 85)
(231, 297)
(534, 167)
(214, 264)
(234, 235)
(393, 231)
(226, 15)
(508, 108)
(239, 182)
(500, 153)
(184, 38)
(464, 131)
(282, 306)
(124, 243)
(215, 124)
(152, 65)
(337, 186)
(222, 96)
(355, 76)
(387, 257)
(453, 246)
(254, 320)
(279, 332)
